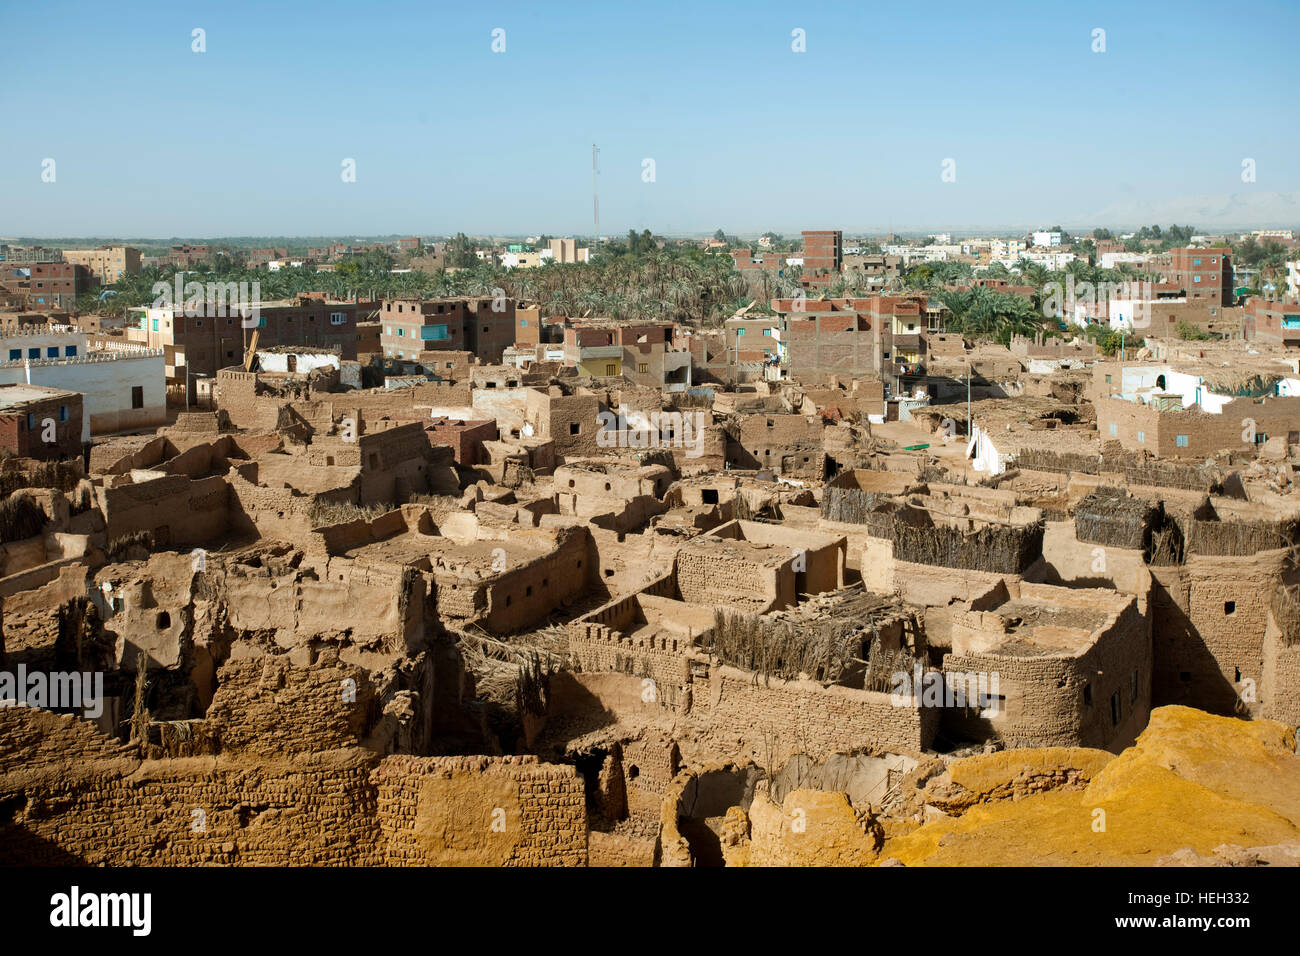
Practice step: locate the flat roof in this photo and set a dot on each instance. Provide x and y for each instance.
(11, 395)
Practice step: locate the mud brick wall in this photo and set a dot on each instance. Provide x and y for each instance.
(711, 579)
(557, 413)
(808, 717)
(175, 510)
(1045, 703)
(277, 512)
(460, 599)
(764, 441)
(1209, 618)
(69, 795)
(268, 707)
(405, 404)
(35, 742)
(316, 810)
(480, 811)
(1279, 691)
(236, 395)
(598, 648)
(524, 595)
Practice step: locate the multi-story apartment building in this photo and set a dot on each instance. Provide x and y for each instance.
(648, 355)
(1203, 274)
(566, 250)
(1006, 249)
(877, 270)
(411, 326)
(26, 255)
(878, 335)
(56, 285)
(823, 255)
(752, 338)
(186, 255)
(107, 264)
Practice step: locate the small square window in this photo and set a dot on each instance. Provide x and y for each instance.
(1142, 438)
(1181, 441)
(1229, 607)
(1114, 429)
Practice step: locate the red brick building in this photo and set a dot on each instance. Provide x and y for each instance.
(56, 285)
(1204, 275)
(466, 438)
(823, 255)
(1272, 323)
(411, 326)
(40, 422)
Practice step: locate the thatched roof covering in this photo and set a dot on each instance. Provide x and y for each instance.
(1112, 517)
(1238, 380)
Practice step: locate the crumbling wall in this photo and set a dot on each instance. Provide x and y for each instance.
(176, 511)
(1279, 690)
(267, 707)
(480, 811)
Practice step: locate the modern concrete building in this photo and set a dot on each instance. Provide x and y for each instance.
(107, 263)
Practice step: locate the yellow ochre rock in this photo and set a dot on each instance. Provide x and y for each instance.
(1191, 780)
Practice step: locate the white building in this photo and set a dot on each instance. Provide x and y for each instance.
(1293, 279)
(1141, 383)
(301, 361)
(1056, 261)
(122, 385)
(1006, 249)
(1109, 260)
(1046, 239)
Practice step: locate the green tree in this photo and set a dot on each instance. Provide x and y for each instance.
(1191, 333)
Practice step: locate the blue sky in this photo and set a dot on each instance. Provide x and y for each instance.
(152, 139)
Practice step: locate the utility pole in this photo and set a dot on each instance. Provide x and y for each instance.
(970, 429)
(595, 200)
